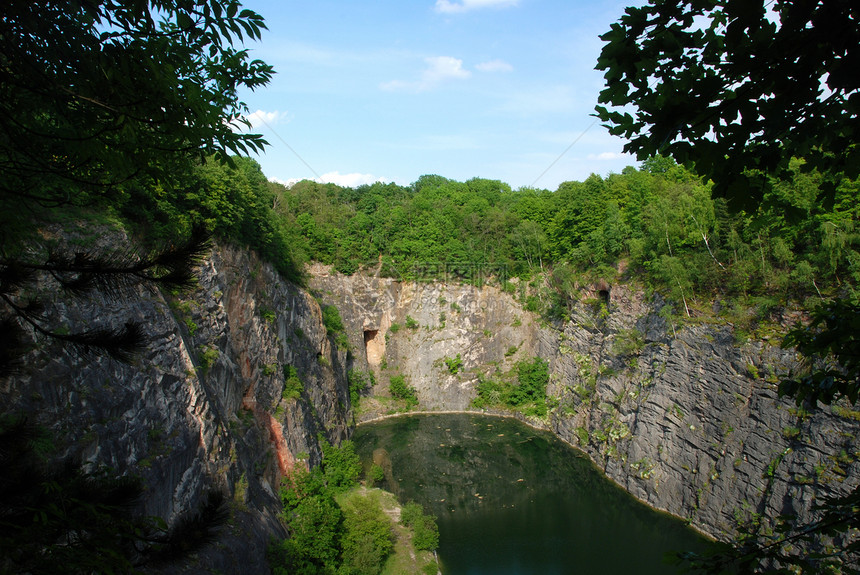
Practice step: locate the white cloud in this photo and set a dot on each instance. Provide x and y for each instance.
(609, 156)
(449, 7)
(349, 180)
(286, 183)
(259, 118)
(495, 66)
(439, 69)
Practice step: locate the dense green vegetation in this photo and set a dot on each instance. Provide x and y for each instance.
(336, 529)
(426, 532)
(658, 222)
(738, 88)
(522, 389)
(399, 388)
(232, 202)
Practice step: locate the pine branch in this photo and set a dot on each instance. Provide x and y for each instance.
(115, 273)
(123, 344)
(12, 349)
(112, 276)
(191, 531)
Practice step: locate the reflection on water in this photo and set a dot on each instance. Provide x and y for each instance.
(511, 499)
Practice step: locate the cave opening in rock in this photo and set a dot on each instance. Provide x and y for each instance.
(604, 296)
(374, 346)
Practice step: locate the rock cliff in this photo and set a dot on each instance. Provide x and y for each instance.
(241, 378)
(207, 408)
(686, 419)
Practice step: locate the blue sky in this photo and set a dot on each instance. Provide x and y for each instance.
(391, 90)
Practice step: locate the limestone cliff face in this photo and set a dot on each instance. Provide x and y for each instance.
(411, 328)
(687, 420)
(204, 409)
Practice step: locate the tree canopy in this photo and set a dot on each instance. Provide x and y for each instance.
(738, 88)
(93, 94)
(98, 100)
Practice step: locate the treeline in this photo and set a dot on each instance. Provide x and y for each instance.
(233, 202)
(659, 221)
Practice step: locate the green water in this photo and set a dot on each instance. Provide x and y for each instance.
(513, 500)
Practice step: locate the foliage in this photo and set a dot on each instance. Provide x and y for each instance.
(359, 382)
(376, 474)
(660, 222)
(367, 540)
(334, 325)
(490, 393)
(399, 389)
(425, 530)
(315, 525)
(532, 377)
(528, 394)
(293, 385)
(830, 344)
(454, 364)
(208, 356)
(331, 319)
(235, 202)
(94, 94)
(411, 323)
(341, 466)
(738, 88)
(324, 537)
(628, 342)
(760, 98)
(98, 100)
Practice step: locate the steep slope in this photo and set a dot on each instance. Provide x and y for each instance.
(205, 409)
(686, 419)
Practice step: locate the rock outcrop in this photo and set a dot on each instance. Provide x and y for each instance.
(686, 419)
(205, 409)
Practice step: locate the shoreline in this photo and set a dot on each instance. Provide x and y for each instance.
(522, 419)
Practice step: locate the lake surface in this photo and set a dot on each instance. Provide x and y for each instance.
(514, 500)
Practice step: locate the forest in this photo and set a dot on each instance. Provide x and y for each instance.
(657, 224)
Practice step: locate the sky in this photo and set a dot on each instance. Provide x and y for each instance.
(391, 90)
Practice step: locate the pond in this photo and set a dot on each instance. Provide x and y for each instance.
(512, 499)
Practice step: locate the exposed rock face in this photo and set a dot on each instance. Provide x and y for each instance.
(414, 327)
(203, 409)
(687, 420)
